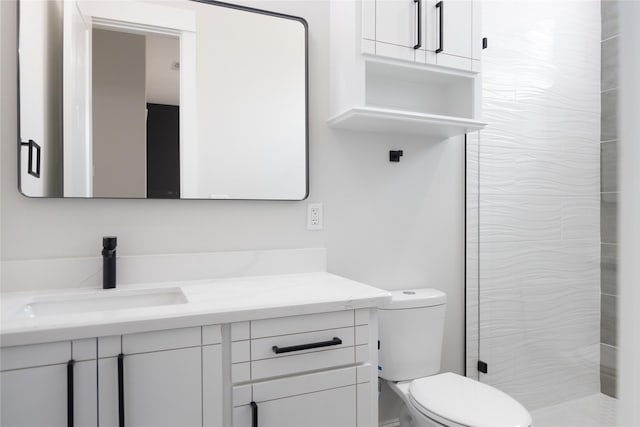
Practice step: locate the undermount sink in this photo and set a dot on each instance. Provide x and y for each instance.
(103, 301)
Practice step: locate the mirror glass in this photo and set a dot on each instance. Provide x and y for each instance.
(171, 99)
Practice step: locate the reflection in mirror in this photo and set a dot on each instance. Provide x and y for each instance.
(162, 99)
(135, 117)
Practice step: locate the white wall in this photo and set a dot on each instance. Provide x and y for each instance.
(629, 216)
(162, 80)
(391, 225)
(41, 81)
(119, 114)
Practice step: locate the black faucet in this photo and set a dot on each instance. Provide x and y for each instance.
(109, 244)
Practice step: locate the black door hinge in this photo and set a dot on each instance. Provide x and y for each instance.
(485, 43)
(483, 367)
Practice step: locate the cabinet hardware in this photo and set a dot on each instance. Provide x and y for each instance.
(121, 390)
(483, 367)
(418, 45)
(254, 414)
(334, 341)
(70, 364)
(394, 155)
(33, 146)
(440, 5)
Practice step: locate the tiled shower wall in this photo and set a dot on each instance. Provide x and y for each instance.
(533, 204)
(609, 197)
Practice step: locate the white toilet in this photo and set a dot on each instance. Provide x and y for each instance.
(411, 329)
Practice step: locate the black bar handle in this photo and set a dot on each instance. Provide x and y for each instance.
(254, 414)
(440, 5)
(121, 390)
(70, 364)
(334, 341)
(419, 14)
(33, 147)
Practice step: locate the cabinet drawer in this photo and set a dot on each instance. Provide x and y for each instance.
(288, 365)
(263, 348)
(298, 324)
(299, 344)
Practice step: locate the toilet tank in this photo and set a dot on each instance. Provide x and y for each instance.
(411, 328)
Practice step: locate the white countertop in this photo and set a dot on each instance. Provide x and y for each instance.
(208, 302)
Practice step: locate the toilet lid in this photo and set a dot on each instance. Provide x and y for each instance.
(467, 402)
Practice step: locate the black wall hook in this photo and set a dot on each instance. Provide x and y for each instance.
(394, 155)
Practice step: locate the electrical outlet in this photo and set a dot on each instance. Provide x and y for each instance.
(314, 216)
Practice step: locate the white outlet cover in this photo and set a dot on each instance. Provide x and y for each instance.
(314, 216)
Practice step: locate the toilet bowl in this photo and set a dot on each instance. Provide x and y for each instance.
(452, 400)
(411, 328)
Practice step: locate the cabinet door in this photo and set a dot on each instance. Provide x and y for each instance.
(455, 37)
(85, 390)
(336, 407)
(162, 388)
(396, 29)
(34, 397)
(34, 384)
(212, 392)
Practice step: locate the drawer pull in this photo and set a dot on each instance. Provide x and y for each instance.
(334, 341)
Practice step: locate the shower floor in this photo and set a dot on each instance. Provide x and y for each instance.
(597, 410)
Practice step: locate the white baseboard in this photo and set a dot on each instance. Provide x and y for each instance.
(390, 423)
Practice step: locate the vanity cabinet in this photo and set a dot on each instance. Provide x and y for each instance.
(159, 378)
(304, 371)
(312, 370)
(425, 31)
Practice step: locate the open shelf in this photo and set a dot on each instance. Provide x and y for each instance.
(392, 96)
(384, 120)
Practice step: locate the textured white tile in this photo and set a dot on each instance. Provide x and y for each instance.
(472, 343)
(543, 306)
(534, 369)
(538, 167)
(581, 218)
(504, 265)
(521, 172)
(517, 218)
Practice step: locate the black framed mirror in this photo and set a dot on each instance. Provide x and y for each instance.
(172, 100)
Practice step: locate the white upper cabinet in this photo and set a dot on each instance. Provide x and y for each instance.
(423, 31)
(405, 66)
